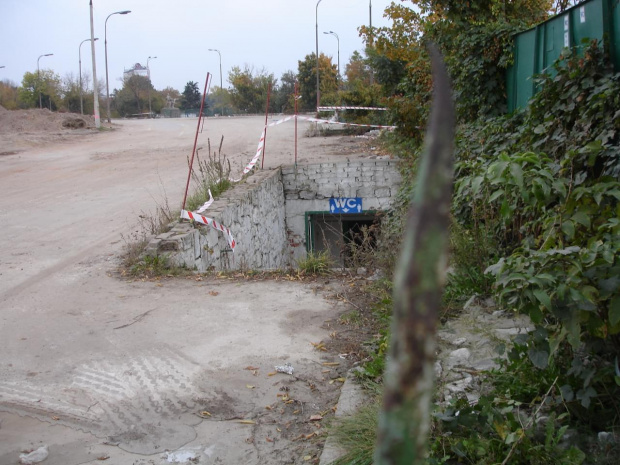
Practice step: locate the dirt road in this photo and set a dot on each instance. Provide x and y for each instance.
(95, 366)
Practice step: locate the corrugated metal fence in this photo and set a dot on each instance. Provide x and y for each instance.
(536, 49)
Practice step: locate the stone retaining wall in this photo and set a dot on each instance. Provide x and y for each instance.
(254, 212)
(266, 215)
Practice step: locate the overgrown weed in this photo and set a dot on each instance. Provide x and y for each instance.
(357, 434)
(316, 263)
(149, 224)
(212, 174)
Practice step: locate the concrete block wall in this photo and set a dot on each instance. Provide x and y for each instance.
(309, 188)
(266, 214)
(253, 211)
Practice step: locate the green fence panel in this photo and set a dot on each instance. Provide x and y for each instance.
(536, 49)
(614, 40)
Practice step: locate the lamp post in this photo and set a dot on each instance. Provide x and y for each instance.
(371, 37)
(338, 39)
(107, 85)
(148, 72)
(318, 92)
(218, 52)
(39, 76)
(80, 58)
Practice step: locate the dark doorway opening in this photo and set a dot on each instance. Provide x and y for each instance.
(346, 237)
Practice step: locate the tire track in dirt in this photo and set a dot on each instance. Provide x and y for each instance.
(125, 400)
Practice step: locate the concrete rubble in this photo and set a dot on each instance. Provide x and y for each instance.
(466, 346)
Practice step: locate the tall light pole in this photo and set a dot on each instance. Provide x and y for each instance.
(318, 91)
(92, 54)
(148, 72)
(80, 58)
(218, 52)
(338, 39)
(371, 37)
(107, 84)
(39, 76)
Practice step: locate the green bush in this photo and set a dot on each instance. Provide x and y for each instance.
(545, 183)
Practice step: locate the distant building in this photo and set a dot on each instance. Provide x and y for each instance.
(136, 70)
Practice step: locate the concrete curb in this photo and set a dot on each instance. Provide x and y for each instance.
(352, 397)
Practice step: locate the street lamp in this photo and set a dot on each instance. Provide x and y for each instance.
(338, 39)
(218, 52)
(107, 85)
(148, 72)
(39, 76)
(318, 92)
(371, 37)
(80, 58)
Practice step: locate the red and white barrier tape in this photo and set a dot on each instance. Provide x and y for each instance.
(208, 203)
(325, 121)
(261, 142)
(280, 121)
(349, 108)
(211, 222)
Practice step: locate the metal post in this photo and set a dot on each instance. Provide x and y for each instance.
(218, 52)
(148, 72)
(338, 39)
(371, 37)
(318, 91)
(191, 163)
(262, 163)
(296, 92)
(80, 58)
(107, 84)
(95, 88)
(39, 77)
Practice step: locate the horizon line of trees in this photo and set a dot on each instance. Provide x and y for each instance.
(246, 94)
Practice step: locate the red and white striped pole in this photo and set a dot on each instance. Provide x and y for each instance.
(191, 163)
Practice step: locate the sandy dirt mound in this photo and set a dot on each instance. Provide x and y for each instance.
(23, 129)
(36, 120)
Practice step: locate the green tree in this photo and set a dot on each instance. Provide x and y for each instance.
(191, 97)
(249, 88)
(220, 101)
(45, 82)
(328, 82)
(283, 97)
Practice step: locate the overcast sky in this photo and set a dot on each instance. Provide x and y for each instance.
(273, 34)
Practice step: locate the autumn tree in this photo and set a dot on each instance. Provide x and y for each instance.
(133, 98)
(357, 70)
(9, 95)
(328, 80)
(170, 96)
(358, 91)
(71, 93)
(475, 39)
